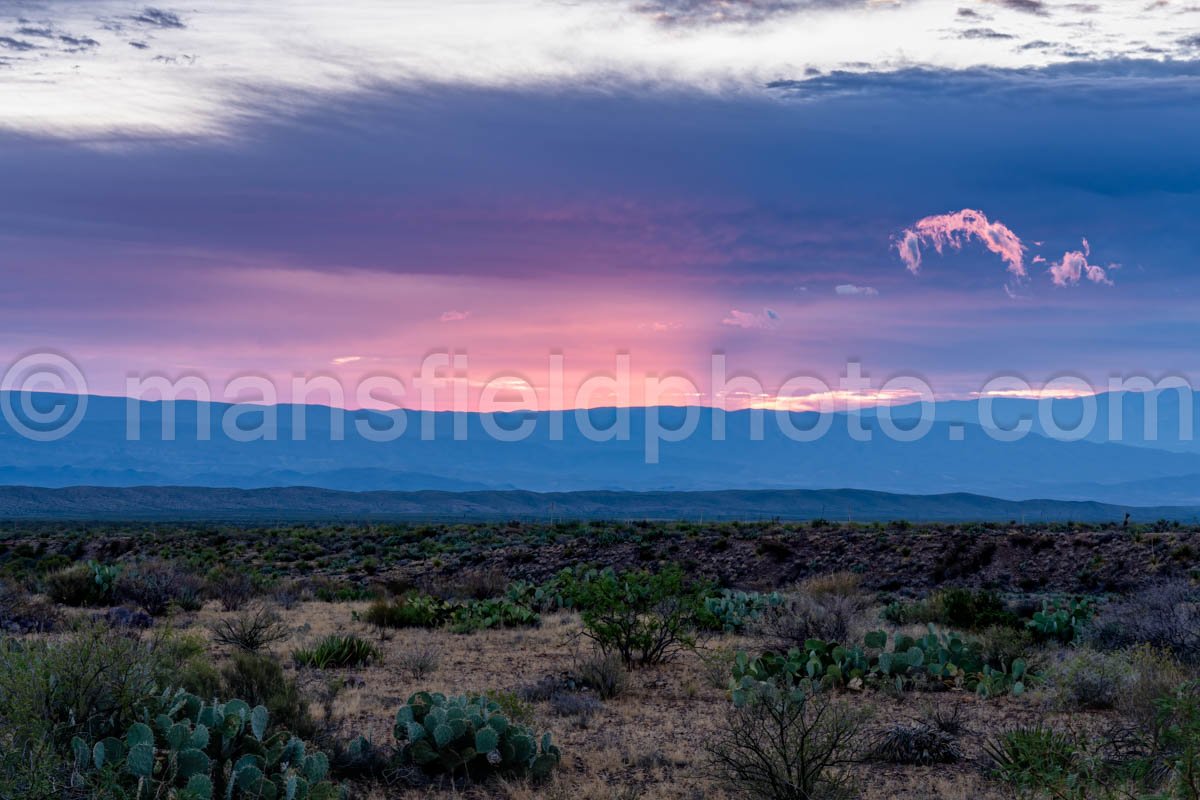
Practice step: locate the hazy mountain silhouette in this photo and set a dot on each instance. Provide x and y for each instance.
(306, 503)
(955, 456)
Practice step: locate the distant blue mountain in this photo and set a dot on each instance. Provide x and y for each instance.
(1120, 417)
(957, 455)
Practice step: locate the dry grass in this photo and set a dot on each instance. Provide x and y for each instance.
(647, 743)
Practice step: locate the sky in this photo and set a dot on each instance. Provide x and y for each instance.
(947, 190)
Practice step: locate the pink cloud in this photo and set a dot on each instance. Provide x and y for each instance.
(765, 320)
(453, 316)
(1074, 266)
(953, 230)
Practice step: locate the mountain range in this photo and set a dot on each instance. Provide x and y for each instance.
(957, 455)
(296, 503)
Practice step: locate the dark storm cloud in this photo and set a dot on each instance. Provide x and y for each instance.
(984, 33)
(1028, 6)
(40, 32)
(710, 12)
(78, 43)
(1130, 80)
(415, 186)
(20, 45)
(159, 18)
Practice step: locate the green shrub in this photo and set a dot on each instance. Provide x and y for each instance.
(415, 610)
(603, 674)
(1039, 758)
(956, 607)
(260, 680)
(1153, 674)
(93, 683)
(469, 736)
(476, 615)
(335, 651)
(232, 587)
(343, 592)
(23, 614)
(643, 617)
(786, 739)
(825, 608)
(410, 610)
(81, 585)
(974, 609)
(1000, 646)
(219, 750)
(1177, 740)
(511, 705)
(1087, 679)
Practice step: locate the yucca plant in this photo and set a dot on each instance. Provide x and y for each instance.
(335, 652)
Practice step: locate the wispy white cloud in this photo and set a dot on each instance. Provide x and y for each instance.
(763, 320)
(852, 290)
(453, 316)
(219, 59)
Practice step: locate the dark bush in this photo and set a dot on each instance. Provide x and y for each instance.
(787, 743)
(251, 630)
(802, 616)
(580, 707)
(1165, 615)
(122, 617)
(974, 609)
(230, 587)
(410, 610)
(419, 658)
(915, 743)
(76, 586)
(604, 674)
(156, 585)
(20, 613)
(260, 680)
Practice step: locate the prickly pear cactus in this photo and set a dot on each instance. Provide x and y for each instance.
(469, 736)
(206, 751)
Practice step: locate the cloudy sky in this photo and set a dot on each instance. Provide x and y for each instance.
(952, 190)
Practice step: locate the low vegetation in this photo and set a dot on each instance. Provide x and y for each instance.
(600, 660)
